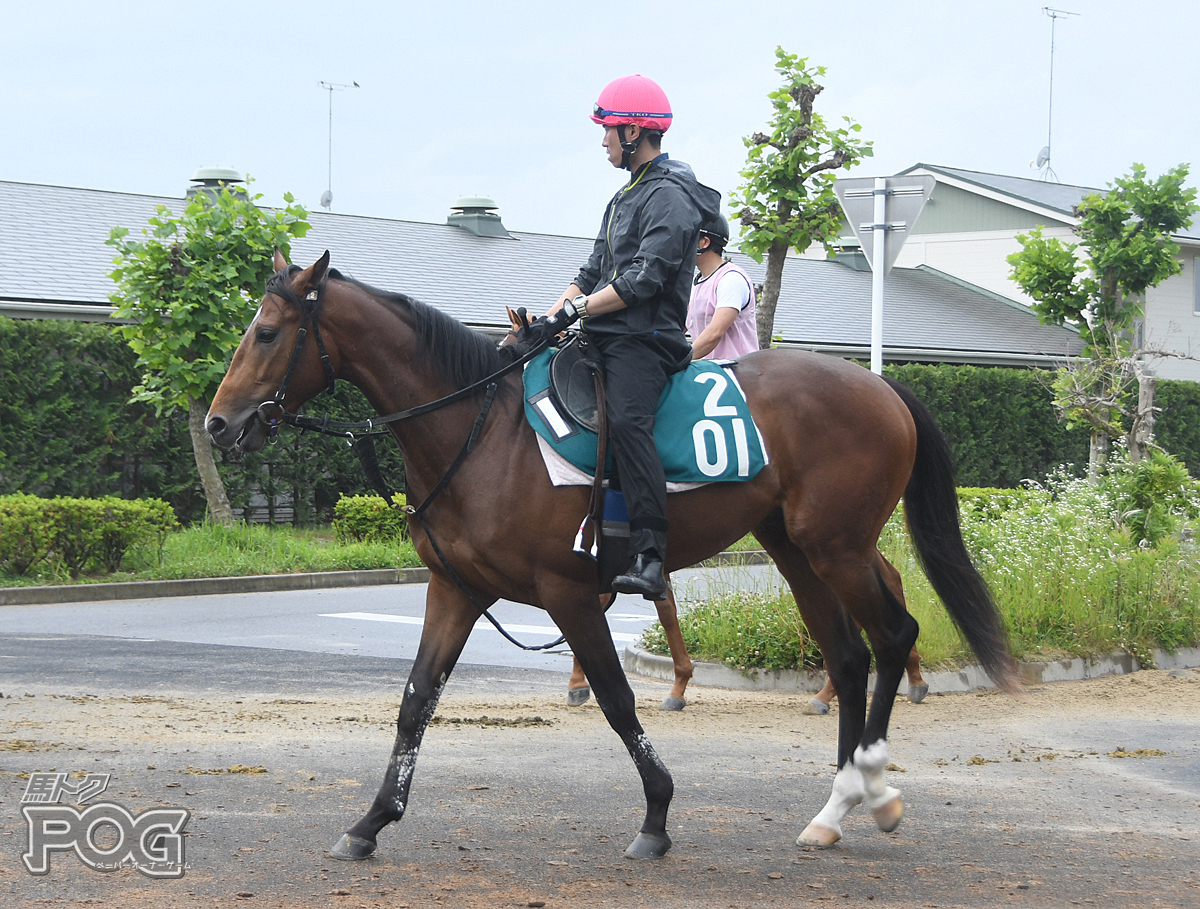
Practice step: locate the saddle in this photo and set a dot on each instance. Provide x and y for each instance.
(575, 372)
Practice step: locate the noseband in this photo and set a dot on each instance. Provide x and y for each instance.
(271, 412)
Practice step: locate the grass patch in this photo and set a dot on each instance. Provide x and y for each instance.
(217, 550)
(1065, 568)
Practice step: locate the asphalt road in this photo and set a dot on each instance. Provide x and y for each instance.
(1009, 803)
(380, 621)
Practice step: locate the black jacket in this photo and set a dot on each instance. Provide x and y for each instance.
(647, 250)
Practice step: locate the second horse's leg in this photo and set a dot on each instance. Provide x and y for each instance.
(449, 618)
(578, 690)
(668, 617)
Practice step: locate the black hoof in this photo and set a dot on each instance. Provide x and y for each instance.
(351, 848)
(648, 846)
(670, 702)
(577, 697)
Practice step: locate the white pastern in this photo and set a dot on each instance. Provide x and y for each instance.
(848, 791)
(872, 761)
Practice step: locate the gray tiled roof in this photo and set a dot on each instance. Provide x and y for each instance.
(53, 239)
(829, 304)
(1060, 197)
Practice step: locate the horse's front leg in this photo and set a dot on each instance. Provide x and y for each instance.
(581, 621)
(449, 618)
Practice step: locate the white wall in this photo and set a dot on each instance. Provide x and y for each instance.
(1171, 321)
(980, 257)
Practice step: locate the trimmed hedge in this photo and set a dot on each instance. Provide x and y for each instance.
(1177, 428)
(67, 429)
(369, 519)
(1000, 422)
(78, 534)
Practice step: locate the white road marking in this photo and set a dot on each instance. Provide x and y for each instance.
(549, 630)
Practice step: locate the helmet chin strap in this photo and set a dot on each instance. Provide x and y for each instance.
(628, 148)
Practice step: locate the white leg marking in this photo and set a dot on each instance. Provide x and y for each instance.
(872, 762)
(880, 799)
(826, 827)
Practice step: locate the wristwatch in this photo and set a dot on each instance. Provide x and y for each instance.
(579, 304)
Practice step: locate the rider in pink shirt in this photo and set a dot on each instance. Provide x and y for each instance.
(721, 315)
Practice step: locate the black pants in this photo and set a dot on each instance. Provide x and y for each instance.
(636, 371)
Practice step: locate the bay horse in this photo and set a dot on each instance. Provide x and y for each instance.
(844, 446)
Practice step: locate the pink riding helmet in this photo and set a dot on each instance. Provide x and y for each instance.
(633, 99)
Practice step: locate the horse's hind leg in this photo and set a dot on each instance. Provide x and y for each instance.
(449, 618)
(583, 625)
(892, 638)
(847, 661)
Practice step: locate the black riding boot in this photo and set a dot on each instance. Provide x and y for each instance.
(645, 576)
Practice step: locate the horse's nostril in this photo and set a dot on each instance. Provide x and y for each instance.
(215, 425)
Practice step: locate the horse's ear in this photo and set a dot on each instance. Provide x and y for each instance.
(311, 276)
(280, 262)
(512, 318)
(319, 267)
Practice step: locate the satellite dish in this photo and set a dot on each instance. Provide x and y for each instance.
(1043, 158)
(326, 199)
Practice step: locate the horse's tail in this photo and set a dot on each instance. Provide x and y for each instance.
(931, 511)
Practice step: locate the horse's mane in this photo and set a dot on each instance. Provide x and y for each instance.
(458, 354)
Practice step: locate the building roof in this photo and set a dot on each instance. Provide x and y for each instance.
(54, 236)
(1059, 197)
(927, 315)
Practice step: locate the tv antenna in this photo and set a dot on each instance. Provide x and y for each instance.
(1043, 157)
(331, 87)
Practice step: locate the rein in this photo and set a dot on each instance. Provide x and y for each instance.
(364, 444)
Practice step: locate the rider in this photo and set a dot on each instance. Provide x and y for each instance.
(721, 317)
(637, 283)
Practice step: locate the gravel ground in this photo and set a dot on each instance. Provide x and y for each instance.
(1082, 793)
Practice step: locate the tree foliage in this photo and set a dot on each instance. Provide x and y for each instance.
(1098, 285)
(191, 283)
(787, 200)
(1125, 248)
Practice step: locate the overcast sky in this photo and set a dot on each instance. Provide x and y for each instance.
(492, 98)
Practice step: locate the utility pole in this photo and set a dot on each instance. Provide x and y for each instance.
(331, 87)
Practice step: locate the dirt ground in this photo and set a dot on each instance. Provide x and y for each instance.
(1081, 793)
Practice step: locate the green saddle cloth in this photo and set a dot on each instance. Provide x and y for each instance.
(703, 428)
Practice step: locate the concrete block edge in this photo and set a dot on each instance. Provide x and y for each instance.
(968, 678)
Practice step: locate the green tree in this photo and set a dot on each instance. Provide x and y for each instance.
(787, 201)
(191, 283)
(1098, 285)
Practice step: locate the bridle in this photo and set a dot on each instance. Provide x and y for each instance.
(272, 414)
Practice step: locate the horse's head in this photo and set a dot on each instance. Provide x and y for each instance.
(273, 369)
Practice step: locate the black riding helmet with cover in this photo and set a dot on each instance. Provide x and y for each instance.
(716, 228)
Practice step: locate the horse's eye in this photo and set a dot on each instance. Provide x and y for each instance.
(266, 335)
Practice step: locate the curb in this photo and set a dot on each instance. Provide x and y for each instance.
(263, 583)
(190, 587)
(969, 678)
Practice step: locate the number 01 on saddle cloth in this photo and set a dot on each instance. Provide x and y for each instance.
(703, 428)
